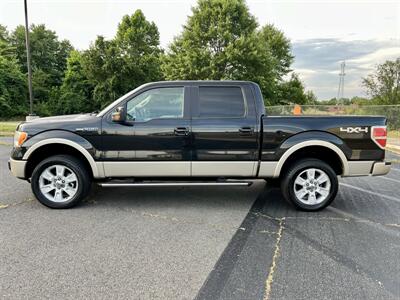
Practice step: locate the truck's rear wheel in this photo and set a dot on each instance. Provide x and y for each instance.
(60, 181)
(310, 184)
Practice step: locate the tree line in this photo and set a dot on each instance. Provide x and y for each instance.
(220, 40)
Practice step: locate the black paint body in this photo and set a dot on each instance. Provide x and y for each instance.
(252, 137)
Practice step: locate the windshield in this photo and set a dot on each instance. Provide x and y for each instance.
(120, 99)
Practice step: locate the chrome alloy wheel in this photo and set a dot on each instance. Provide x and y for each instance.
(58, 183)
(312, 186)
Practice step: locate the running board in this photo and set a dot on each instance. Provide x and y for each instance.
(212, 183)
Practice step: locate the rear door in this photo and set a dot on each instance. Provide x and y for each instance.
(224, 140)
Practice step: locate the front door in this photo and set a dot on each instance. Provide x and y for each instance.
(160, 135)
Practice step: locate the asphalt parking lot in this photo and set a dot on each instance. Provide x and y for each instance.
(204, 243)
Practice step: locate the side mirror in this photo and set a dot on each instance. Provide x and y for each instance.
(119, 116)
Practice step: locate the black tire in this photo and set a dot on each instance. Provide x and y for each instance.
(297, 168)
(75, 165)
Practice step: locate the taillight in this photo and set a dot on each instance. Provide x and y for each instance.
(379, 135)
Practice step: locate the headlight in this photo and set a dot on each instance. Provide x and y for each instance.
(19, 138)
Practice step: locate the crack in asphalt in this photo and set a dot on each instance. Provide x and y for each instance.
(219, 276)
(185, 221)
(355, 219)
(182, 221)
(351, 218)
(270, 278)
(4, 206)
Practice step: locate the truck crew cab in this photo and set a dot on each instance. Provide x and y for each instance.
(196, 133)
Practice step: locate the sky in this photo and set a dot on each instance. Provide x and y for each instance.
(323, 33)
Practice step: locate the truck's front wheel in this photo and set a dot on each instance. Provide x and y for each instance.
(310, 184)
(60, 181)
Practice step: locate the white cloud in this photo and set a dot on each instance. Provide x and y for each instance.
(370, 60)
(318, 63)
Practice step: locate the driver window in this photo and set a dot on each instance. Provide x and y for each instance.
(158, 103)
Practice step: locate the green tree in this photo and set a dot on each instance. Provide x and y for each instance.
(293, 91)
(311, 98)
(138, 43)
(101, 65)
(221, 41)
(12, 81)
(48, 59)
(75, 94)
(384, 84)
(12, 88)
(278, 49)
(5, 47)
(279, 46)
(47, 52)
(213, 42)
(361, 101)
(130, 59)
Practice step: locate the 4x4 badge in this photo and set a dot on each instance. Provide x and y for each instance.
(354, 129)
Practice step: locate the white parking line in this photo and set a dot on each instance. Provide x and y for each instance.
(391, 179)
(370, 192)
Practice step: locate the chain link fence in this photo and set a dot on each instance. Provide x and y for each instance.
(392, 112)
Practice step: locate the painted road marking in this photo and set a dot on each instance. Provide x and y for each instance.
(391, 179)
(370, 192)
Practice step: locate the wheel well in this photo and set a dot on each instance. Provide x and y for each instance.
(319, 152)
(48, 150)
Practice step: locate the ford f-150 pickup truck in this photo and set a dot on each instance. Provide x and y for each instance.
(196, 133)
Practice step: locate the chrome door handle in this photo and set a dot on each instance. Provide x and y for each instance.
(246, 130)
(181, 131)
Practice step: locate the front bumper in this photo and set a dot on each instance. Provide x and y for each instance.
(381, 168)
(17, 167)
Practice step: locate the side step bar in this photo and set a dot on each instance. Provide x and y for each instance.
(177, 183)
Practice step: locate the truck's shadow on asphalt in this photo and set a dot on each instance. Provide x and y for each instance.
(348, 203)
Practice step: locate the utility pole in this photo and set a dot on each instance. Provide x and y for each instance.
(28, 59)
(341, 82)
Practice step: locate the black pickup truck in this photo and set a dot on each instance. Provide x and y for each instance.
(196, 133)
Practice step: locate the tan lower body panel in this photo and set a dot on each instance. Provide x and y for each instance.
(144, 169)
(267, 169)
(171, 169)
(359, 168)
(224, 168)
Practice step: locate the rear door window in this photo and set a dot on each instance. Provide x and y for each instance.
(221, 102)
